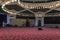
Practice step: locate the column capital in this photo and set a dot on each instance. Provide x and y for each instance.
(39, 15)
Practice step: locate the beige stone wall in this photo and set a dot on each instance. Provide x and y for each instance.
(32, 22)
(22, 22)
(19, 22)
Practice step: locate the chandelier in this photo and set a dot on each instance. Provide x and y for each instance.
(32, 5)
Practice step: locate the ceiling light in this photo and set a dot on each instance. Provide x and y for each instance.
(57, 4)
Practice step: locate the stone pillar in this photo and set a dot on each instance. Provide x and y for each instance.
(8, 19)
(42, 21)
(36, 21)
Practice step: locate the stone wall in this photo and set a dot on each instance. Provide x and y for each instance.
(19, 22)
(22, 22)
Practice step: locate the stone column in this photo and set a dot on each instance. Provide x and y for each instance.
(36, 21)
(42, 21)
(8, 19)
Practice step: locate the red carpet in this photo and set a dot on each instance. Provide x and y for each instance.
(29, 34)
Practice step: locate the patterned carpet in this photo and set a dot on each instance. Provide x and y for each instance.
(29, 33)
